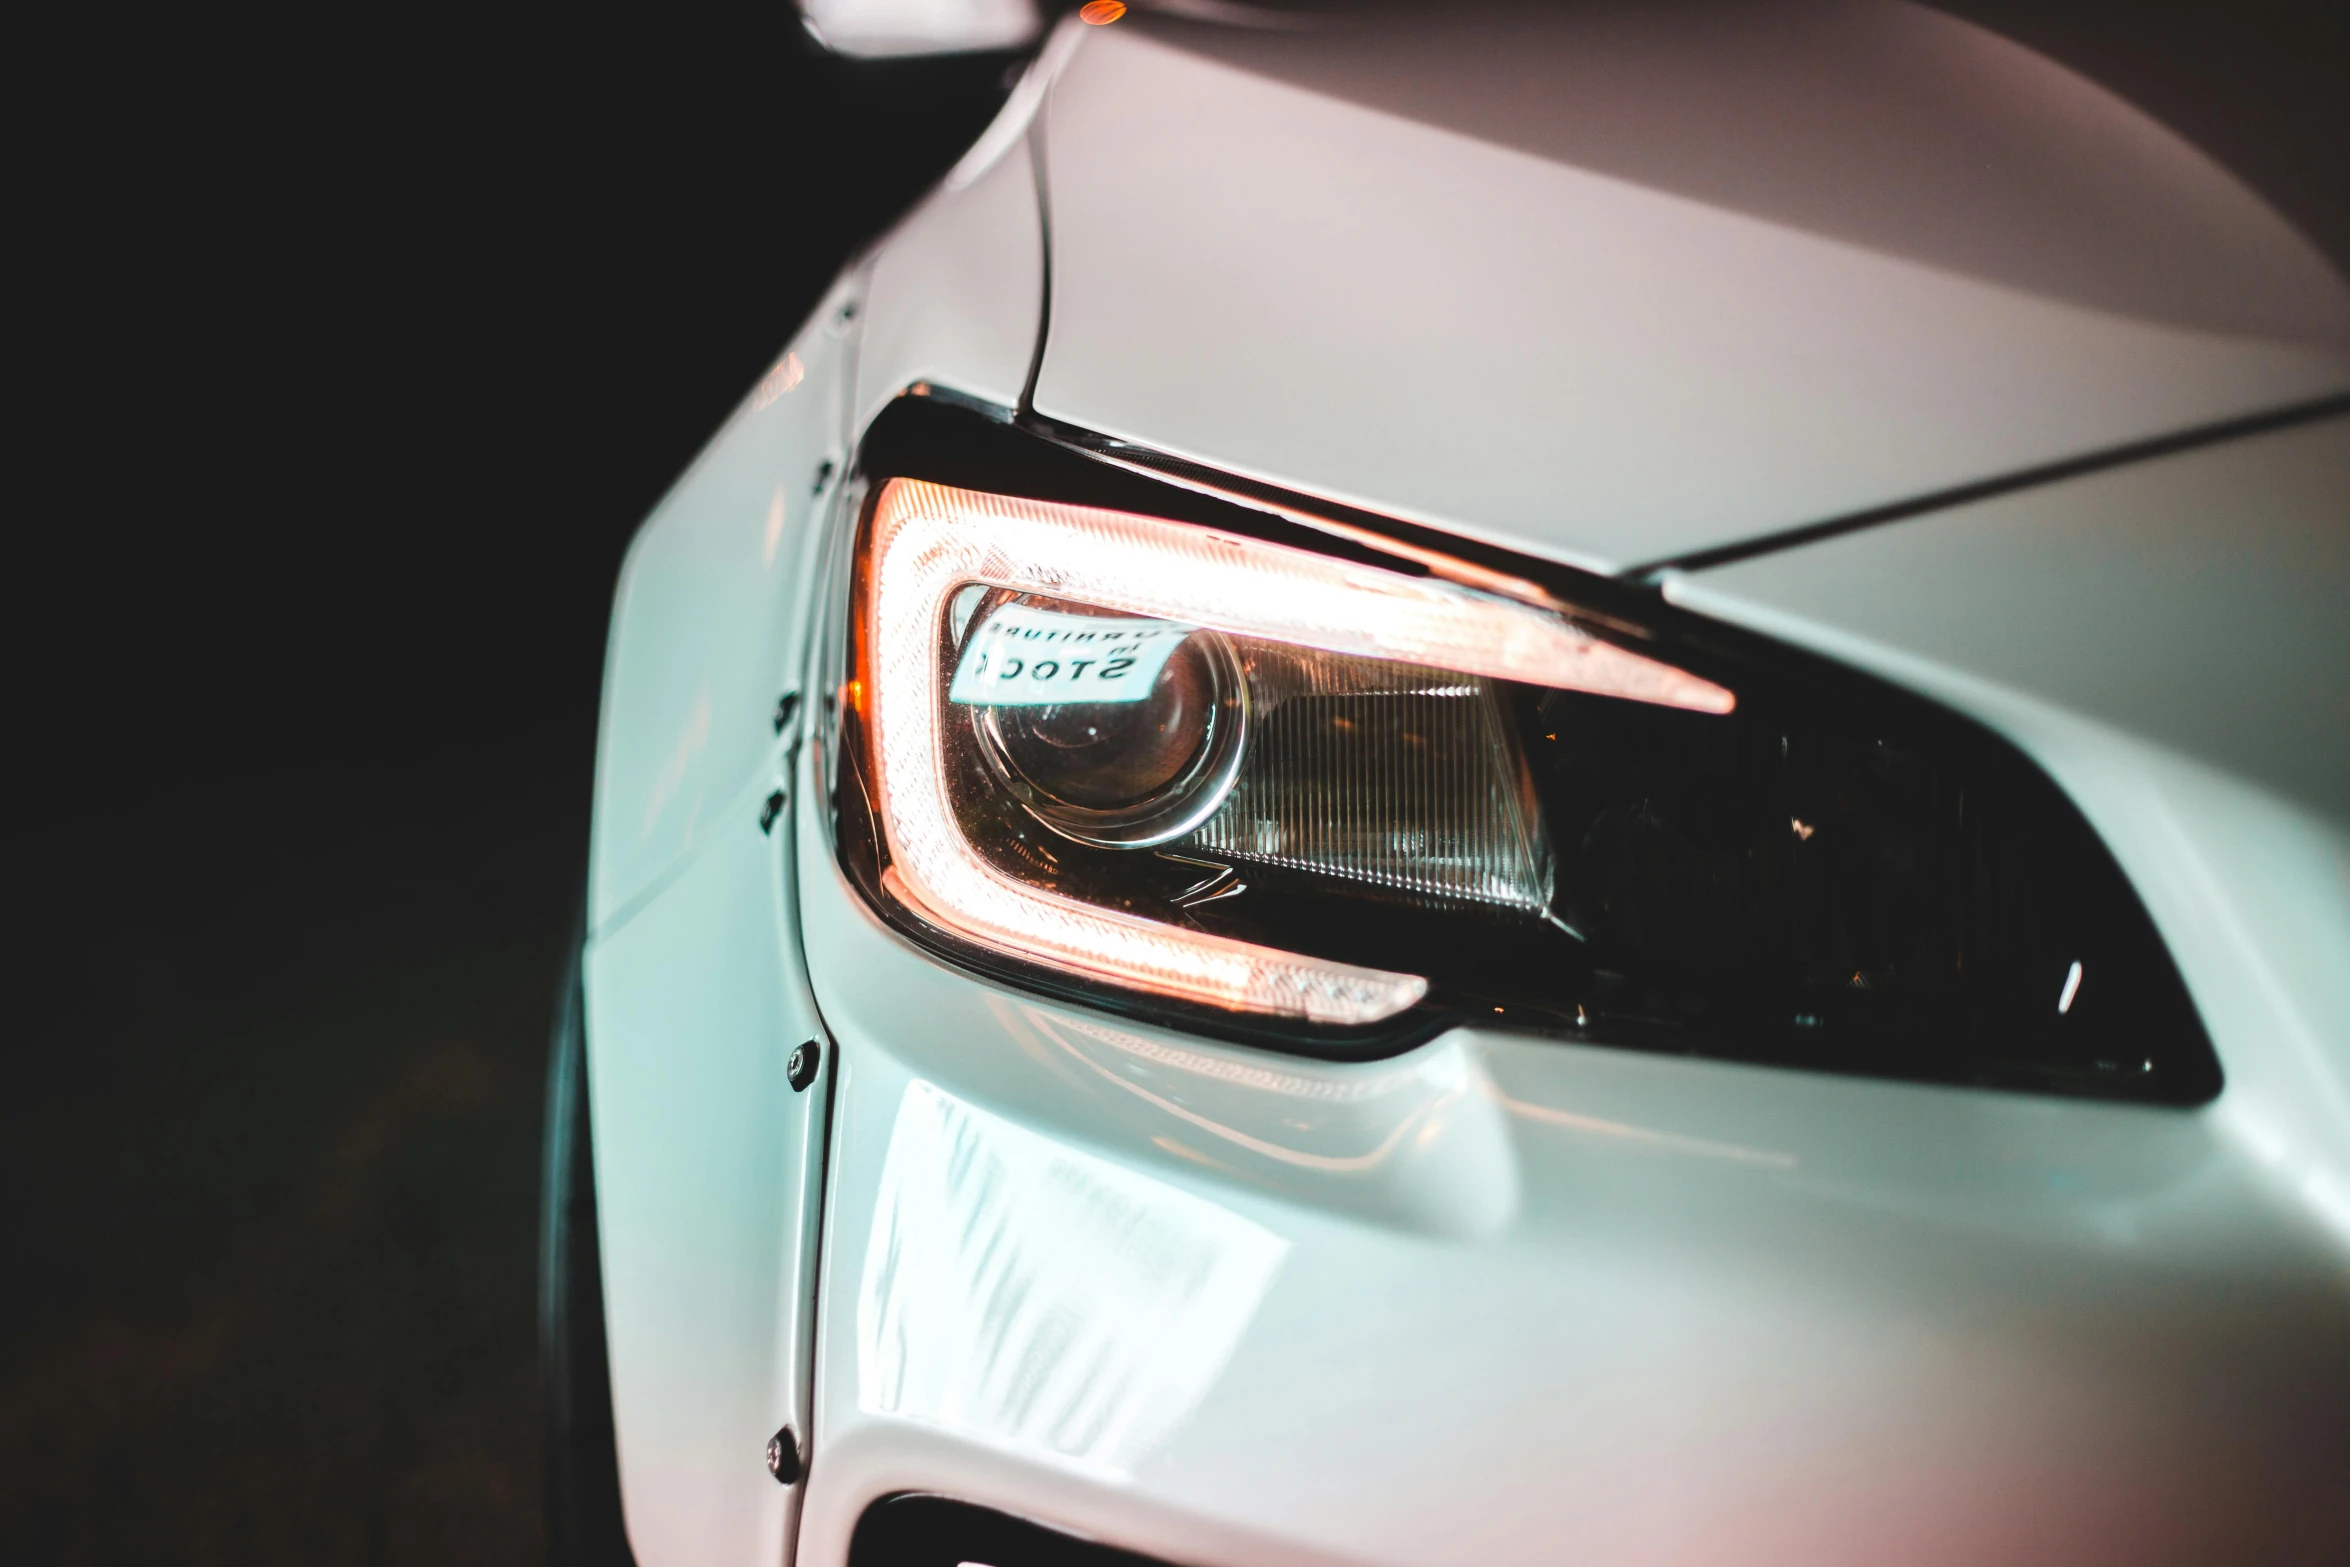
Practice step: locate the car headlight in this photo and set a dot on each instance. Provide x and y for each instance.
(1054, 690)
(1174, 755)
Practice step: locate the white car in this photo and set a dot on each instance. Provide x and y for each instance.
(1509, 786)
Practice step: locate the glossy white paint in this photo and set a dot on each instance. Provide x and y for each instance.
(2200, 601)
(956, 290)
(704, 628)
(1537, 1299)
(707, 1174)
(1024, 1293)
(880, 29)
(1614, 290)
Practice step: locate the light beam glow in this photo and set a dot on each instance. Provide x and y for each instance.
(928, 541)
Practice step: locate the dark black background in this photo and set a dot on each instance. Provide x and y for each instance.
(348, 356)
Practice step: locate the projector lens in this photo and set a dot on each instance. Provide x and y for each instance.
(1115, 730)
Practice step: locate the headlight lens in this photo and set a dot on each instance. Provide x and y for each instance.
(1020, 692)
(1307, 800)
(1113, 729)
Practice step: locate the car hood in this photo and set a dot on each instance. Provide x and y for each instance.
(1623, 284)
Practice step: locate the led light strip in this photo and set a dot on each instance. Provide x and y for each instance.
(929, 540)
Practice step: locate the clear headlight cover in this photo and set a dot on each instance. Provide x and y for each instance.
(1327, 799)
(1094, 669)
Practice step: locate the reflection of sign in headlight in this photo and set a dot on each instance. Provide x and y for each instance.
(1020, 654)
(1112, 729)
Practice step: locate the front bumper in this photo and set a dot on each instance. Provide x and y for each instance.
(1502, 1298)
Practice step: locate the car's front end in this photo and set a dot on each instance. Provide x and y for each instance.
(1680, 890)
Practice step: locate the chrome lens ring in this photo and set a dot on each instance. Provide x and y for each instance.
(1170, 811)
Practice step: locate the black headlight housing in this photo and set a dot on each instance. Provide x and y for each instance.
(1834, 874)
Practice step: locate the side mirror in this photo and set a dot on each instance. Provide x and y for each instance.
(881, 29)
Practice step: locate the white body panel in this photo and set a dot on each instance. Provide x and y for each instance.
(956, 291)
(2199, 601)
(1303, 289)
(707, 1172)
(705, 624)
(877, 29)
